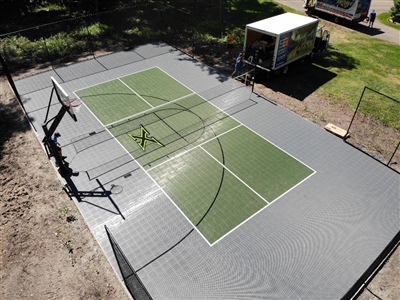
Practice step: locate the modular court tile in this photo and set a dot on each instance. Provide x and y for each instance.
(314, 242)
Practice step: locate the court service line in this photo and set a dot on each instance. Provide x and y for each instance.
(236, 119)
(237, 177)
(166, 195)
(112, 79)
(300, 182)
(147, 111)
(119, 79)
(195, 147)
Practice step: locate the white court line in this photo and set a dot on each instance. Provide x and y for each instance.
(191, 149)
(200, 145)
(268, 203)
(148, 111)
(135, 92)
(236, 120)
(116, 78)
(237, 177)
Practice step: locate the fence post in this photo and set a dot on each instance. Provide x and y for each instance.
(394, 152)
(355, 112)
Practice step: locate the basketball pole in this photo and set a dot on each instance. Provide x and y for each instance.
(50, 145)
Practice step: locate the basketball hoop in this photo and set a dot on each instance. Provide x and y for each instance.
(75, 104)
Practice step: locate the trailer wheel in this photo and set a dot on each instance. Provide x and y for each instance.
(340, 21)
(284, 70)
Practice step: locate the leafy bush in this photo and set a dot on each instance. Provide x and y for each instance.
(96, 29)
(145, 33)
(239, 34)
(50, 7)
(395, 11)
(17, 48)
(59, 45)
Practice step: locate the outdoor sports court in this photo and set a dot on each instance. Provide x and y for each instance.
(209, 190)
(195, 152)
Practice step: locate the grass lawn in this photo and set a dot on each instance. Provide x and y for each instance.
(384, 18)
(360, 60)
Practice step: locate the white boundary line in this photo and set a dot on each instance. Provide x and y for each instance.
(235, 119)
(237, 177)
(147, 111)
(184, 152)
(240, 124)
(106, 81)
(119, 79)
(151, 106)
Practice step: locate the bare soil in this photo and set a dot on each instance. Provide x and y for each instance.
(48, 251)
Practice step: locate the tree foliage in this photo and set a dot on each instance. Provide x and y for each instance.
(12, 10)
(395, 11)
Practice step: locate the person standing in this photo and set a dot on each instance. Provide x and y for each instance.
(230, 39)
(55, 139)
(238, 65)
(372, 17)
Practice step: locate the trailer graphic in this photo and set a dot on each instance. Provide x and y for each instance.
(344, 10)
(273, 43)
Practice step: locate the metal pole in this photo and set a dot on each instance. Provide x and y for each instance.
(394, 152)
(358, 105)
(254, 80)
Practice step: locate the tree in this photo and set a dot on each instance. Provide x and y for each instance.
(395, 11)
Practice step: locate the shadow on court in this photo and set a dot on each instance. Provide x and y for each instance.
(72, 191)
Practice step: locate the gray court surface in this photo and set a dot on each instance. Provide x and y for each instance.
(315, 242)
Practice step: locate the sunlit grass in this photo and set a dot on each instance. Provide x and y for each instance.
(359, 60)
(384, 18)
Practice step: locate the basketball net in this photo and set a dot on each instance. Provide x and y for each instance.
(75, 104)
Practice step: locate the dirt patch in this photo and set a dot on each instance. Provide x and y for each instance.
(43, 255)
(47, 250)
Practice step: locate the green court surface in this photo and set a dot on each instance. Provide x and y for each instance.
(216, 171)
(119, 98)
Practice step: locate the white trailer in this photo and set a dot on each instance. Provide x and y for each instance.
(273, 43)
(353, 11)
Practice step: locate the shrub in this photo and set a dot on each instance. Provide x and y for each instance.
(18, 50)
(59, 45)
(395, 11)
(96, 30)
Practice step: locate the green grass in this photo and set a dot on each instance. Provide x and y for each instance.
(360, 60)
(355, 59)
(384, 18)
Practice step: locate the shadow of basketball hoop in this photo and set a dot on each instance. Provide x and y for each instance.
(72, 191)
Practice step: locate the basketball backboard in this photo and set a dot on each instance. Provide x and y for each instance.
(63, 98)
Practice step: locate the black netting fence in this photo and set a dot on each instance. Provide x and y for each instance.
(133, 283)
(375, 127)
